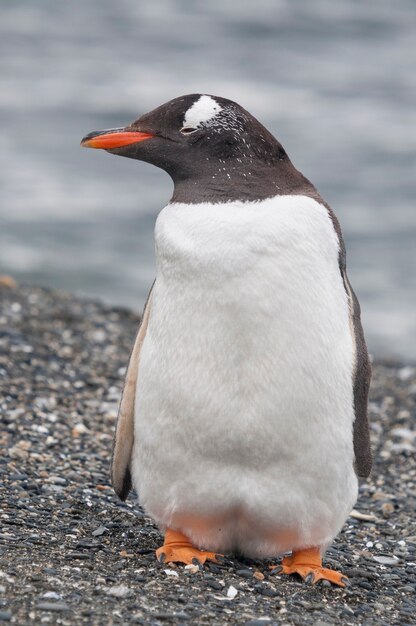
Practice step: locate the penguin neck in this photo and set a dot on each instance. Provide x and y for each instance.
(233, 180)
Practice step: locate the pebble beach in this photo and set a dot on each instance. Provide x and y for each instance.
(71, 553)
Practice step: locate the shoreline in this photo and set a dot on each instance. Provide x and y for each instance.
(72, 553)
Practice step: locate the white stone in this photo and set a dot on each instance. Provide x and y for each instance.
(386, 560)
(171, 572)
(51, 595)
(119, 591)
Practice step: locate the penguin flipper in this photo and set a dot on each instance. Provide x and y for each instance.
(362, 370)
(361, 385)
(124, 434)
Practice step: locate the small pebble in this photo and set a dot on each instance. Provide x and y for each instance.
(387, 509)
(79, 429)
(214, 584)
(52, 606)
(51, 595)
(364, 584)
(245, 573)
(98, 532)
(386, 560)
(171, 572)
(231, 592)
(119, 591)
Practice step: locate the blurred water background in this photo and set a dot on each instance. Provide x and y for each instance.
(333, 80)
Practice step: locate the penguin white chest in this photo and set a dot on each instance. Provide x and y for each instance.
(244, 406)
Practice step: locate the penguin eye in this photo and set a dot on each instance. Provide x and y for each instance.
(188, 130)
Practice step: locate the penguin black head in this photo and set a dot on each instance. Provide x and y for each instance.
(213, 149)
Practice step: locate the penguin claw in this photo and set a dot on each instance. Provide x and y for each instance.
(308, 565)
(183, 554)
(178, 549)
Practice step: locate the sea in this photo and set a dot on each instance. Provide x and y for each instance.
(334, 80)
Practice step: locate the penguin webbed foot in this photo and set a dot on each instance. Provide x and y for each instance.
(308, 564)
(178, 549)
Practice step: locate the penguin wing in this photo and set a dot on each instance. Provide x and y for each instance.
(124, 435)
(362, 369)
(361, 385)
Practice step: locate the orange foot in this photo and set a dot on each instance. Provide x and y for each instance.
(308, 564)
(178, 549)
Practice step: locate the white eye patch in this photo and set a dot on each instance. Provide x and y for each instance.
(203, 110)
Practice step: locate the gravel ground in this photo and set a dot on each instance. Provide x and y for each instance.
(71, 553)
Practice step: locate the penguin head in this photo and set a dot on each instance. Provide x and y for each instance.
(185, 134)
(213, 149)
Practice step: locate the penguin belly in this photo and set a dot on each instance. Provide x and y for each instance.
(244, 399)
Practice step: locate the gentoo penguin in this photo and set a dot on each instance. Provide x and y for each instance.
(243, 421)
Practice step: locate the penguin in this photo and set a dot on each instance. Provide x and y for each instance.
(243, 421)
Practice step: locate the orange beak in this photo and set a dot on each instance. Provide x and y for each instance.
(113, 138)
